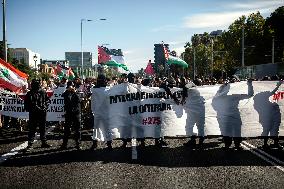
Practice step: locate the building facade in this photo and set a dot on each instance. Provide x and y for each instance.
(160, 66)
(75, 59)
(26, 56)
(47, 66)
(52, 63)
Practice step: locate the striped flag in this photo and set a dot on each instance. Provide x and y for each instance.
(103, 57)
(166, 52)
(111, 57)
(61, 71)
(11, 78)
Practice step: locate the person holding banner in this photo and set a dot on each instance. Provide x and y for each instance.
(36, 103)
(194, 107)
(100, 115)
(72, 107)
(228, 114)
(167, 85)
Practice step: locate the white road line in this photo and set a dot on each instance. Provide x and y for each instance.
(264, 153)
(13, 152)
(22, 146)
(252, 149)
(134, 148)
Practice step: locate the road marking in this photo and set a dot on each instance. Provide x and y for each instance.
(134, 148)
(22, 146)
(13, 152)
(263, 155)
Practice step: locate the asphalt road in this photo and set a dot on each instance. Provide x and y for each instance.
(175, 166)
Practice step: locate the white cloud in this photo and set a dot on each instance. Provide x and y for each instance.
(231, 12)
(212, 20)
(256, 5)
(179, 50)
(175, 42)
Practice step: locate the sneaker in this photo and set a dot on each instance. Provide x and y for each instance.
(45, 145)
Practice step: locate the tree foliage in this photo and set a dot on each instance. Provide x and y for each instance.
(227, 48)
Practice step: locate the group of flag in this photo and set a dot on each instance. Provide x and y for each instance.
(169, 61)
(60, 71)
(13, 79)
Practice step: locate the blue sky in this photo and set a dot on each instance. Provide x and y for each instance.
(52, 27)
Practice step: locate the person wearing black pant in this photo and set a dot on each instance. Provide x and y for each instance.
(36, 103)
(72, 106)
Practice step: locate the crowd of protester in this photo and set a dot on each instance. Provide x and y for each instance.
(83, 90)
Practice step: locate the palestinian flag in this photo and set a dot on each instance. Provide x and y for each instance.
(177, 61)
(12, 78)
(61, 71)
(70, 74)
(173, 60)
(111, 57)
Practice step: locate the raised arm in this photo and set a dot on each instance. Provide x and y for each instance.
(277, 87)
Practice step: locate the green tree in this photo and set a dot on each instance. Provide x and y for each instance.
(274, 27)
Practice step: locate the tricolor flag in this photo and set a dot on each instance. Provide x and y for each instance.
(166, 52)
(173, 60)
(110, 57)
(12, 78)
(103, 57)
(61, 71)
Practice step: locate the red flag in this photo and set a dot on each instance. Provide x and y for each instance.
(11, 78)
(149, 69)
(103, 57)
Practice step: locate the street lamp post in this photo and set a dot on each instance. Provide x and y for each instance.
(35, 60)
(4, 32)
(243, 47)
(272, 51)
(194, 66)
(82, 55)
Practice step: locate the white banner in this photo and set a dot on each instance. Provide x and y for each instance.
(237, 109)
(128, 110)
(13, 105)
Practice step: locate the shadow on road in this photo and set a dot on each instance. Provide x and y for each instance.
(150, 155)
